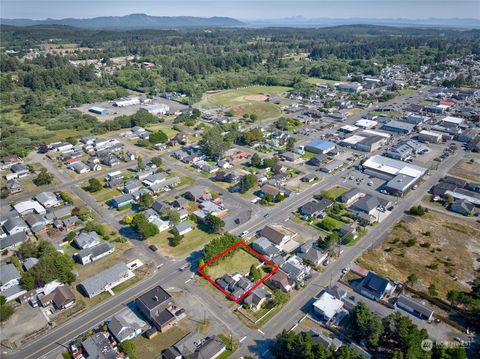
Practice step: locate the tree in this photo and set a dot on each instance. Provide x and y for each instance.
(3, 300)
(127, 219)
(214, 142)
(128, 348)
(143, 228)
(270, 162)
(28, 249)
(176, 239)
(432, 290)
(6, 311)
(253, 117)
(66, 197)
(253, 135)
(279, 297)
(412, 279)
(145, 201)
(290, 144)
(70, 236)
(404, 337)
(214, 224)
(157, 161)
(43, 178)
(418, 210)
(140, 163)
(16, 262)
(365, 325)
(255, 160)
(196, 113)
(247, 182)
(158, 137)
(254, 274)
(94, 185)
(201, 262)
(218, 245)
(171, 215)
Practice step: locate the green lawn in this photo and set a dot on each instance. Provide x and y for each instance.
(407, 91)
(240, 261)
(151, 348)
(236, 97)
(334, 192)
(309, 155)
(336, 223)
(231, 346)
(167, 129)
(361, 234)
(105, 194)
(316, 80)
(263, 110)
(193, 240)
(186, 181)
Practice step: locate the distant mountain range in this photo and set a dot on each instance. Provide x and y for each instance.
(143, 21)
(133, 21)
(300, 21)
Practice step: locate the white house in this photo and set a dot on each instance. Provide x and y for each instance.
(47, 199)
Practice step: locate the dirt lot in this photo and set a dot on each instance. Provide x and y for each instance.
(18, 328)
(436, 247)
(466, 169)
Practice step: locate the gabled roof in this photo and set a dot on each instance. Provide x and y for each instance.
(374, 283)
(8, 272)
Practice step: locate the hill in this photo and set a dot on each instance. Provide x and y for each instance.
(133, 21)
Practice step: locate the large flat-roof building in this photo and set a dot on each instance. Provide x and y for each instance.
(320, 146)
(398, 127)
(156, 108)
(429, 136)
(401, 176)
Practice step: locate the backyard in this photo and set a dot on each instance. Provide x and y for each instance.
(240, 261)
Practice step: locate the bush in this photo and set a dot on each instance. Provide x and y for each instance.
(418, 210)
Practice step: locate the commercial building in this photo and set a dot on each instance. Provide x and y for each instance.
(155, 109)
(367, 124)
(157, 306)
(398, 127)
(401, 176)
(127, 101)
(416, 119)
(429, 136)
(350, 87)
(98, 110)
(320, 146)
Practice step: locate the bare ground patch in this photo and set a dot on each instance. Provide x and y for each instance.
(437, 248)
(467, 169)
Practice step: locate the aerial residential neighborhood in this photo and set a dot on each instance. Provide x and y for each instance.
(206, 187)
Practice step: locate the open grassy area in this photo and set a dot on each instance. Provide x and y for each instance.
(330, 220)
(309, 155)
(407, 91)
(436, 248)
(151, 348)
(317, 80)
(335, 192)
(167, 129)
(467, 170)
(192, 241)
(239, 96)
(263, 110)
(240, 261)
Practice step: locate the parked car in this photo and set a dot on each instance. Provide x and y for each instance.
(153, 247)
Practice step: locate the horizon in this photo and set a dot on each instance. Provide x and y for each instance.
(246, 10)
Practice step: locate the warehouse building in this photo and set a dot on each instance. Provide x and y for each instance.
(398, 127)
(416, 119)
(156, 109)
(126, 101)
(401, 176)
(429, 136)
(320, 146)
(98, 110)
(367, 124)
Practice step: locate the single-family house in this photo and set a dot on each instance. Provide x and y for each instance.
(92, 254)
(86, 240)
(281, 280)
(375, 287)
(105, 280)
(182, 228)
(47, 199)
(315, 208)
(277, 234)
(126, 325)
(122, 200)
(156, 305)
(462, 206)
(256, 298)
(327, 306)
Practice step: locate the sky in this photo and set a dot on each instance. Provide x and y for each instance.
(243, 10)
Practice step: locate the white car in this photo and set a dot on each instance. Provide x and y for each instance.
(244, 233)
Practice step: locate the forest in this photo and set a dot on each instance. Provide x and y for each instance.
(43, 89)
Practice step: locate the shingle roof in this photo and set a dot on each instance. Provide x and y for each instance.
(8, 272)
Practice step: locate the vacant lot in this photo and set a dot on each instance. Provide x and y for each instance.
(193, 240)
(467, 169)
(240, 262)
(335, 192)
(436, 248)
(242, 95)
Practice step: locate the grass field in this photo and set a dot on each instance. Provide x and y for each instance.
(237, 97)
(317, 80)
(407, 91)
(436, 248)
(309, 155)
(263, 110)
(240, 262)
(334, 192)
(192, 241)
(167, 129)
